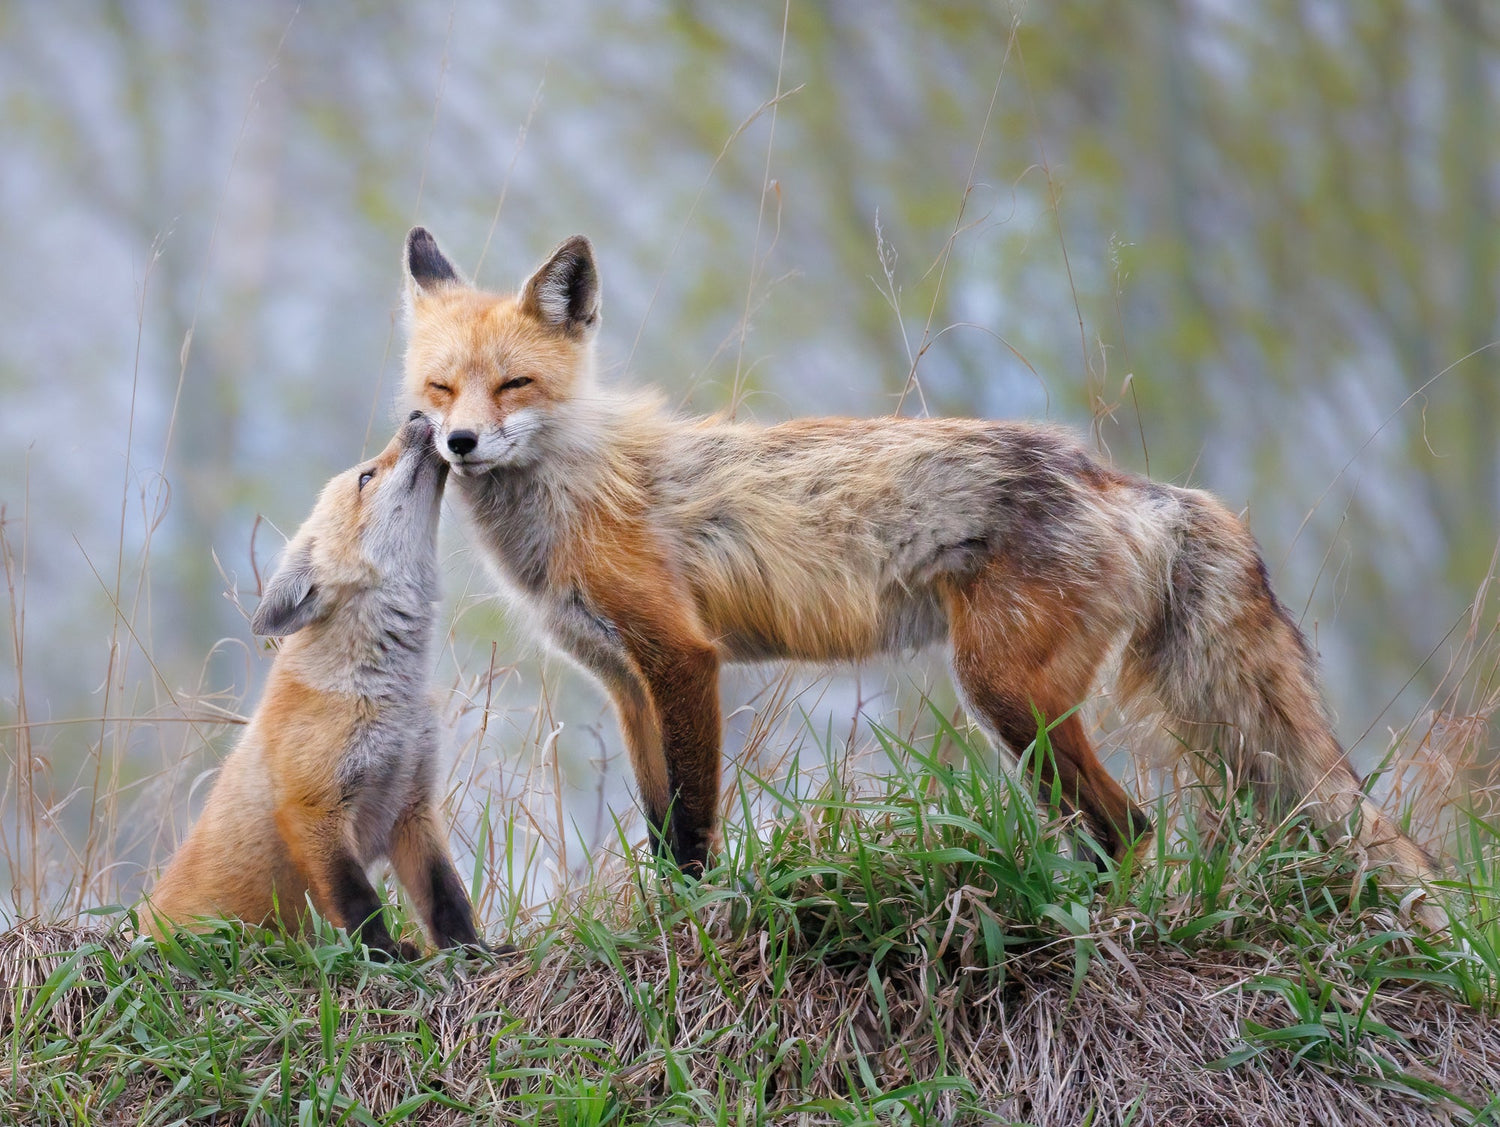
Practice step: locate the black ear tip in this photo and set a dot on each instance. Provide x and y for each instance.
(425, 260)
(420, 245)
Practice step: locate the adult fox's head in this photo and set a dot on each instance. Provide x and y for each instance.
(498, 374)
(373, 530)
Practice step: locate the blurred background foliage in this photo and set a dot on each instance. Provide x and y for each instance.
(1236, 242)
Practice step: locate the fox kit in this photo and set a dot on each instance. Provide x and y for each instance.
(337, 766)
(653, 548)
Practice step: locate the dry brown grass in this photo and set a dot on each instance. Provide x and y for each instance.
(1134, 1042)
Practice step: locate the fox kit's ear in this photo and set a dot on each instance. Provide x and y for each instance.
(565, 291)
(427, 271)
(291, 600)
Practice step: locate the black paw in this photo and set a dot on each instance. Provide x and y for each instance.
(481, 947)
(691, 857)
(389, 951)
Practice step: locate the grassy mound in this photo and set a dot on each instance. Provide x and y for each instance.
(924, 949)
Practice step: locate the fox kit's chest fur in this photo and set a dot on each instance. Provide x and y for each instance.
(352, 696)
(389, 757)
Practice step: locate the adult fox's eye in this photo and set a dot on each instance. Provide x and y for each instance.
(519, 381)
(442, 388)
(364, 478)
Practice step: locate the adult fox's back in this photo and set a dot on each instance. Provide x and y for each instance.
(651, 548)
(889, 513)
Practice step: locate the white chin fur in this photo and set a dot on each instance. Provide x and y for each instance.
(470, 469)
(514, 454)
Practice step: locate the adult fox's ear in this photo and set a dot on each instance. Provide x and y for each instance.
(291, 599)
(564, 292)
(427, 270)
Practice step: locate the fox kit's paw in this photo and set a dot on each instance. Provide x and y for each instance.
(392, 952)
(386, 949)
(481, 947)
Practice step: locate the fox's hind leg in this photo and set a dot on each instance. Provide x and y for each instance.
(1021, 646)
(419, 854)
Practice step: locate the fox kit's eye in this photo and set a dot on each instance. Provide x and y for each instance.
(519, 381)
(364, 478)
(440, 388)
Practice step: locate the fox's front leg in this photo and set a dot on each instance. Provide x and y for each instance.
(419, 854)
(682, 682)
(667, 696)
(648, 760)
(663, 672)
(318, 839)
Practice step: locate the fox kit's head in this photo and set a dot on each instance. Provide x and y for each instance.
(497, 373)
(373, 530)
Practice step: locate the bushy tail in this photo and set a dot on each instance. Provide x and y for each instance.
(1218, 652)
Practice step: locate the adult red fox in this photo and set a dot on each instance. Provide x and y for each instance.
(337, 767)
(651, 548)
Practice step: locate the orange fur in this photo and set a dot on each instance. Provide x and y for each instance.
(652, 548)
(336, 767)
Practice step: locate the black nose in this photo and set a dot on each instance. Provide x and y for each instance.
(462, 442)
(414, 416)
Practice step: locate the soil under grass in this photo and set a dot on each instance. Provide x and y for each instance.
(929, 950)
